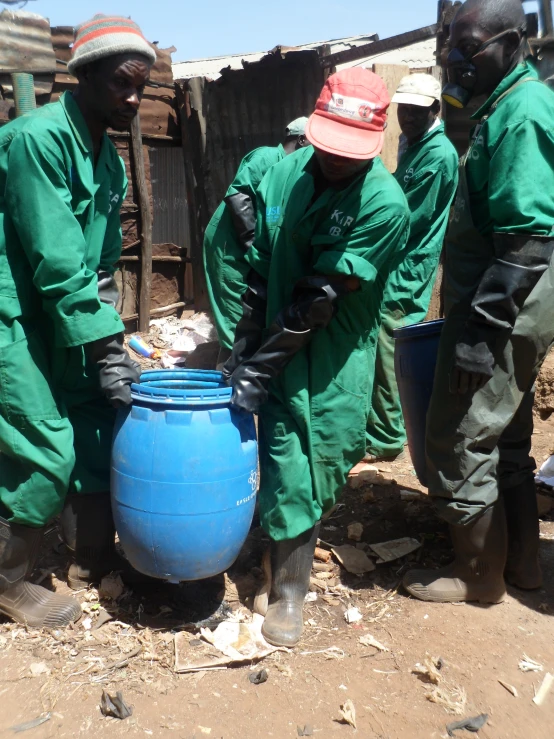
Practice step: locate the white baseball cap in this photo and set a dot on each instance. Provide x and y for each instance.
(418, 89)
(297, 127)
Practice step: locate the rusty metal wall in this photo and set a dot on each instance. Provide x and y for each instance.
(169, 198)
(245, 109)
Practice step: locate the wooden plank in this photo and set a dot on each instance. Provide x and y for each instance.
(145, 225)
(391, 75)
(379, 46)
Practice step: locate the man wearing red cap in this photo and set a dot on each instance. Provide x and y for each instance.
(63, 367)
(331, 221)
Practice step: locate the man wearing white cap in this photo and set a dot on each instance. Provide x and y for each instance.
(230, 233)
(428, 174)
(63, 366)
(330, 221)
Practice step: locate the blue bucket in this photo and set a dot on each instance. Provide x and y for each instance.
(184, 475)
(415, 358)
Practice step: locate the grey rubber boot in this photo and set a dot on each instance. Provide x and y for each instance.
(291, 566)
(477, 573)
(21, 600)
(522, 516)
(88, 531)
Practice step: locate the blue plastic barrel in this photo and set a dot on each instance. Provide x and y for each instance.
(184, 475)
(415, 358)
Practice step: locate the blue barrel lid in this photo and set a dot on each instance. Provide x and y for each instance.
(419, 330)
(182, 387)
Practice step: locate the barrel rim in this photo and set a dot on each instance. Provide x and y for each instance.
(419, 330)
(207, 387)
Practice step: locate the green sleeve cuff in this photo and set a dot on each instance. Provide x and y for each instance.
(344, 263)
(81, 328)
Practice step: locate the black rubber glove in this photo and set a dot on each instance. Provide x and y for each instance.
(108, 291)
(248, 334)
(519, 262)
(115, 367)
(313, 307)
(243, 215)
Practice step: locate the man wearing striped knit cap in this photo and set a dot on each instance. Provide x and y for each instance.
(63, 367)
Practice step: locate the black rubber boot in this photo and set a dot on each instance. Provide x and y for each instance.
(477, 573)
(88, 531)
(21, 600)
(522, 516)
(291, 565)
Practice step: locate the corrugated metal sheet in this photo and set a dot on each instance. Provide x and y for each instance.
(417, 56)
(169, 196)
(213, 67)
(26, 45)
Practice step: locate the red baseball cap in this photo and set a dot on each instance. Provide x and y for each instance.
(350, 115)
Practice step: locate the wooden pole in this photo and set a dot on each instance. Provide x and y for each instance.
(145, 226)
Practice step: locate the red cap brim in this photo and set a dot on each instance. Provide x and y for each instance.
(343, 140)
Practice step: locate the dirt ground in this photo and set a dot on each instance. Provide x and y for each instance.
(133, 653)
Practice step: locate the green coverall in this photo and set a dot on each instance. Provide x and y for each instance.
(479, 443)
(59, 224)
(428, 174)
(224, 256)
(312, 429)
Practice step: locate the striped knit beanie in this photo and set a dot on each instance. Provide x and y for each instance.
(107, 36)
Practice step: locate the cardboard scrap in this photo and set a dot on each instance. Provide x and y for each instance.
(238, 643)
(367, 474)
(388, 551)
(353, 560)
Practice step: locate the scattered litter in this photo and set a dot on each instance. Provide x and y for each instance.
(343, 687)
(306, 730)
(258, 677)
(453, 700)
(355, 531)
(348, 713)
(111, 587)
(39, 668)
(469, 724)
(429, 670)
(237, 642)
(370, 641)
(353, 560)
(544, 690)
(31, 724)
(323, 566)
(205, 730)
(87, 623)
(322, 554)
(285, 670)
(509, 688)
(545, 475)
(103, 618)
(138, 345)
(191, 333)
(310, 597)
(330, 653)
(388, 551)
(115, 706)
(526, 664)
(352, 615)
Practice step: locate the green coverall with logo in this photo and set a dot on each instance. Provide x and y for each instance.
(428, 174)
(312, 429)
(59, 225)
(479, 443)
(224, 255)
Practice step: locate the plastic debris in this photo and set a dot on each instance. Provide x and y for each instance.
(192, 332)
(310, 598)
(205, 730)
(348, 713)
(355, 531)
(526, 664)
(352, 615)
(115, 706)
(509, 688)
(31, 724)
(39, 668)
(544, 690)
(258, 677)
(238, 643)
(545, 475)
(469, 724)
(138, 345)
(429, 670)
(306, 730)
(111, 587)
(388, 551)
(353, 560)
(370, 641)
